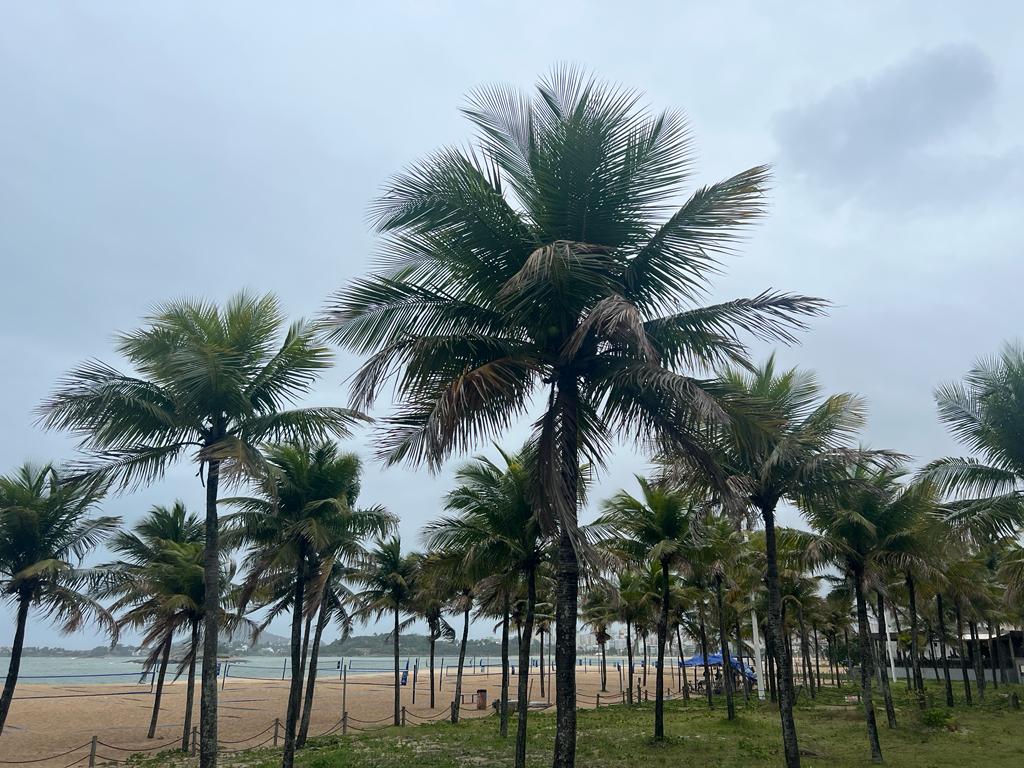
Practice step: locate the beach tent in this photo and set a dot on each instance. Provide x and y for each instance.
(715, 660)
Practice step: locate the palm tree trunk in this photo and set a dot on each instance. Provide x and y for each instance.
(817, 656)
(643, 638)
(186, 728)
(462, 663)
(659, 675)
(211, 611)
(523, 695)
(915, 656)
(907, 673)
(396, 648)
(864, 635)
(743, 661)
(542, 675)
(730, 705)
(704, 650)
(165, 656)
(883, 631)
(567, 576)
(629, 661)
(314, 660)
(960, 649)
(805, 651)
(433, 644)
(682, 669)
(604, 667)
(942, 650)
(503, 700)
(295, 686)
(775, 636)
(998, 658)
(993, 653)
(24, 601)
(979, 670)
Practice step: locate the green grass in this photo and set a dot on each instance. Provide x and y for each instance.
(831, 731)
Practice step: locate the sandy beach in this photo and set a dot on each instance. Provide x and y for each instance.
(61, 720)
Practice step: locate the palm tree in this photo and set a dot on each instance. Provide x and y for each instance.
(498, 533)
(984, 413)
(430, 601)
(799, 450)
(633, 607)
(541, 260)
(46, 529)
(302, 523)
(388, 579)
(158, 586)
(598, 612)
(859, 533)
(211, 381)
(657, 527)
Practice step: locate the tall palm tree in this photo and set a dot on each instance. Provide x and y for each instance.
(984, 413)
(209, 381)
(158, 586)
(800, 450)
(859, 533)
(499, 535)
(657, 527)
(429, 603)
(553, 258)
(633, 607)
(46, 529)
(302, 522)
(388, 580)
(598, 612)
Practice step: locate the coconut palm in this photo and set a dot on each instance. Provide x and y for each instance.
(657, 527)
(553, 258)
(860, 533)
(598, 612)
(211, 382)
(498, 533)
(388, 580)
(632, 607)
(798, 449)
(302, 523)
(983, 412)
(46, 529)
(158, 586)
(429, 603)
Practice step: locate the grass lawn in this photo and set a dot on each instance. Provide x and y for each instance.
(831, 731)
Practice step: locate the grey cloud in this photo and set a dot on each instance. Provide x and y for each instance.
(899, 136)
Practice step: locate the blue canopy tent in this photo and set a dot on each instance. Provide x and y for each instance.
(715, 660)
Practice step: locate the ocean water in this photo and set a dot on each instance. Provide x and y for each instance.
(128, 671)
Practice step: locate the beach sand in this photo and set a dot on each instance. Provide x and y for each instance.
(49, 720)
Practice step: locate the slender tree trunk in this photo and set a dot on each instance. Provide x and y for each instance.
(979, 670)
(295, 687)
(314, 660)
(165, 656)
(775, 634)
(643, 638)
(682, 669)
(817, 656)
(567, 575)
(211, 611)
(604, 666)
(704, 651)
(659, 674)
(942, 650)
(541, 634)
(998, 660)
(186, 728)
(960, 649)
(769, 648)
(629, 661)
(883, 631)
(433, 645)
(931, 652)
(396, 648)
(462, 663)
(743, 663)
(24, 601)
(915, 655)
(864, 633)
(805, 651)
(907, 673)
(523, 696)
(730, 705)
(503, 701)
(993, 653)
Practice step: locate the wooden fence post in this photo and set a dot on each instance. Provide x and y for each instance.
(403, 715)
(277, 727)
(454, 709)
(598, 701)
(92, 752)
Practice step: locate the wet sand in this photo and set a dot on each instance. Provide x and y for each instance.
(48, 720)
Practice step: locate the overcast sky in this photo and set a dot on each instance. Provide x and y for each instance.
(150, 151)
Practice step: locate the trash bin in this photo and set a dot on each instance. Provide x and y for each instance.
(481, 698)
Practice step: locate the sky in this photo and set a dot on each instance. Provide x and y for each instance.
(151, 151)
